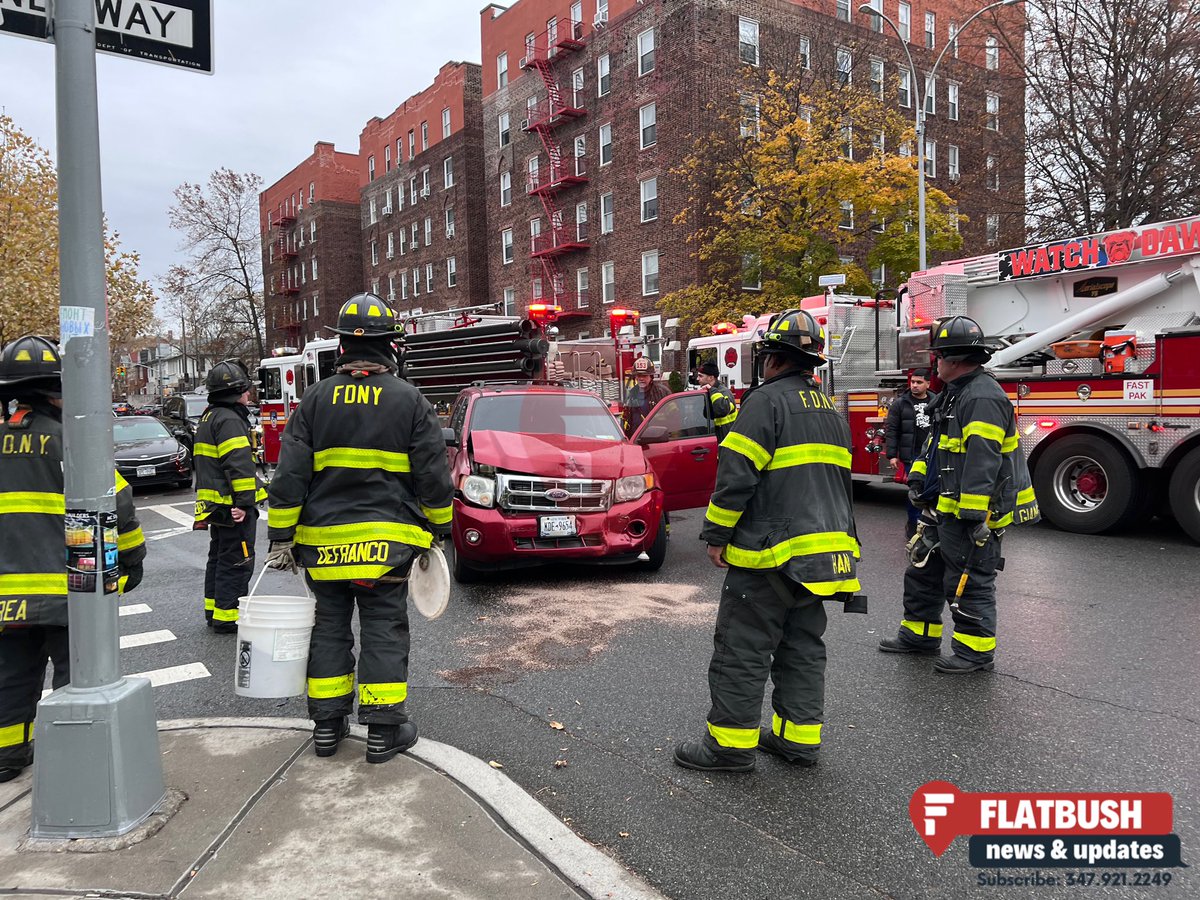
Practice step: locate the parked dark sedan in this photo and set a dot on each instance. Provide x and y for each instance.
(147, 453)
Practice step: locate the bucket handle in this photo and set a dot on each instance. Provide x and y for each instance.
(254, 587)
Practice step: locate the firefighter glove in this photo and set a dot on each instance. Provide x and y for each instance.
(915, 490)
(280, 557)
(131, 577)
(981, 534)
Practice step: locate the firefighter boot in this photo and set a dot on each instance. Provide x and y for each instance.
(899, 645)
(769, 742)
(958, 665)
(385, 741)
(328, 733)
(8, 773)
(703, 757)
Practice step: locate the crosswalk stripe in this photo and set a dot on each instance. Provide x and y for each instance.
(174, 674)
(169, 512)
(133, 609)
(168, 533)
(145, 638)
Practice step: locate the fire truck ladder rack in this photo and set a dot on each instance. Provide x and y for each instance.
(543, 118)
(441, 363)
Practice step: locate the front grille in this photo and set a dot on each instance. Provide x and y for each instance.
(150, 461)
(526, 493)
(565, 543)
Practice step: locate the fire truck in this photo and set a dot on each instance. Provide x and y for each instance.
(1097, 345)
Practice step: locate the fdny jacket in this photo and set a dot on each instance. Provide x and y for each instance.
(33, 572)
(980, 466)
(783, 494)
(225, 472)
(722, 409)
(362, 478)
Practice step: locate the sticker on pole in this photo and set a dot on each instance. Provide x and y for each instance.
(76, 321)
(91, 539)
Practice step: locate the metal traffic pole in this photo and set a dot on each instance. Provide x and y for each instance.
(97, 766)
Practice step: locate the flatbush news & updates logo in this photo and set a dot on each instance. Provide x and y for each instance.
(1051, 830)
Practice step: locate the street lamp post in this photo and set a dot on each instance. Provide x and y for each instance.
(920, 100)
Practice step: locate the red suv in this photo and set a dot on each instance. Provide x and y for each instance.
(544, 473)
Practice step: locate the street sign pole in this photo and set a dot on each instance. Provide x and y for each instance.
(97, 766)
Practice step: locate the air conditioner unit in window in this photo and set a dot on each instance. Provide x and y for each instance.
(526, 62)
(425, 191)
(389, 255)
(449, 231)
(955, 178)
(601, 19)
(387, 210)
(524, 124)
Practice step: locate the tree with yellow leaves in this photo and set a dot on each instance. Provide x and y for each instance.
(797, 177)
(29, 290)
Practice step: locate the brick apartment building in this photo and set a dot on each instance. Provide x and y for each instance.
(311, 246)
(424, 241)
(589, 106)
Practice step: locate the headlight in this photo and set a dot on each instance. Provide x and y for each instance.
(479, 490)
(633, 487)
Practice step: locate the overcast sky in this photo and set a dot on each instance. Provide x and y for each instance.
(287, 74)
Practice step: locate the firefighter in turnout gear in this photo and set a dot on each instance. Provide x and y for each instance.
(782, 523)
(643, 396)
(973, 484)
(720, 402)
(362, 486)
(227, 492)
(33, 573)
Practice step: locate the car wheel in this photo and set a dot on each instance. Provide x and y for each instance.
(184, 485)
(657, 551)
(1087, 485)
(464, 573)
(1185, 494)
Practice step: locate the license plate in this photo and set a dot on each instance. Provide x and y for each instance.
(556, 526)
(145, 471)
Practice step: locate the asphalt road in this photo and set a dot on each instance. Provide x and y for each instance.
(1096, 688)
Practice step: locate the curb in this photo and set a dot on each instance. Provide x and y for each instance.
(586, 867)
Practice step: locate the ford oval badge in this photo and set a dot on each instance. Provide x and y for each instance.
(557, 494)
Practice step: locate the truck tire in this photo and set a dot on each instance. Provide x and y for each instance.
(1185, 493)
(463, 573)
(1087, 485)
(658, 550)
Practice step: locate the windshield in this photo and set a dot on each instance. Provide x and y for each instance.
(572, 415)
(127, 430)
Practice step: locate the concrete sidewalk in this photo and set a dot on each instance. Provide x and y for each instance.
(265, 818)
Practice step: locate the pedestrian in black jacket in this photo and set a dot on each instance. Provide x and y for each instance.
(907, 428)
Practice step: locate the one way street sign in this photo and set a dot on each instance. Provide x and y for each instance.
(171, 32)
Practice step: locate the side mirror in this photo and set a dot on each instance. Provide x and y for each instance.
(180, 434)
(449, 437)
(654, 434)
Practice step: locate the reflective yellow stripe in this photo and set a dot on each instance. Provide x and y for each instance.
(797, 734)
(1002, 522)
(720, 516)
(32, 502)
(214, 497)
(919, 468)
(438, 515)
(752, 450)
(260, 495)
(235, 443)
(954, 445)
(975, 642)
(978, 502)
(741, 738)
(224, 615)
(801, 545)
(922, 629)
(726, 420)
(33, 584)
(243, 484)
(1026, 496)
(337, 686)
(120, 482)
(947, 505)
(14, 735)
(209, 604)
(283, 516)
(1008, 443)
(984, 430)
(829, 588)
(316, 535)
(202, 449)
(803, 454)
(348, 573)
(355, 458)
(127, 540)
(382, 694)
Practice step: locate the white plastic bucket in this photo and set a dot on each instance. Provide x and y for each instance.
(272, 645)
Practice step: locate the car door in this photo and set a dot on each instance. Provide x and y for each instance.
(680, 444)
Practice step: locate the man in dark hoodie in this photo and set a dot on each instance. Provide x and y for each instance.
(907, 428)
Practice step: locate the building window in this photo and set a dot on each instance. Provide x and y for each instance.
(581, 220)
(416, 239)
(930, 159)
(387, 158)
(875, 22)
(952, 101)
(952, 163)
(993, 112)
(374, 253)
(391, 245)
(880, 143)
(403, 241)
(424, 135)
(506, 245)
(648, 118)
(930, 30)
(904, 88)
(412, 189)
(551, 35)
(748, 41)
(314, 268)
(843, 10)
(577, 88)
(650, 199)
(930, 95)
(991, 52)
(848, 141)
(748, 125)
(428, 277)
(645, 42)
(372, 211)
(952, 38)
(425, 182)
(844, 63)
(416, 275)
(374, 290)
(608, 279)
(510, 302)
(581, 288)
(450, 223)
(607, 217)
(877, 70)
(502, 126)
(403, 287)
(370, 168)
(906, 21)
(993, 228)
(412, 144)
(312, 193)
(605, 144)
(312, 231)
(805, 53)
(847, 221)
(505, 188)
(649, 273)
(391, 294)
(651, 329)
(751, 272)
(448, 171)
(537, 288)
(446, 122)
(603, 78)
(580, 154)
(428, 230)
(993, 174)
(502, 70)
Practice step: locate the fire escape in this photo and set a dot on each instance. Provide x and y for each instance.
(548, 183)
(288, 324)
